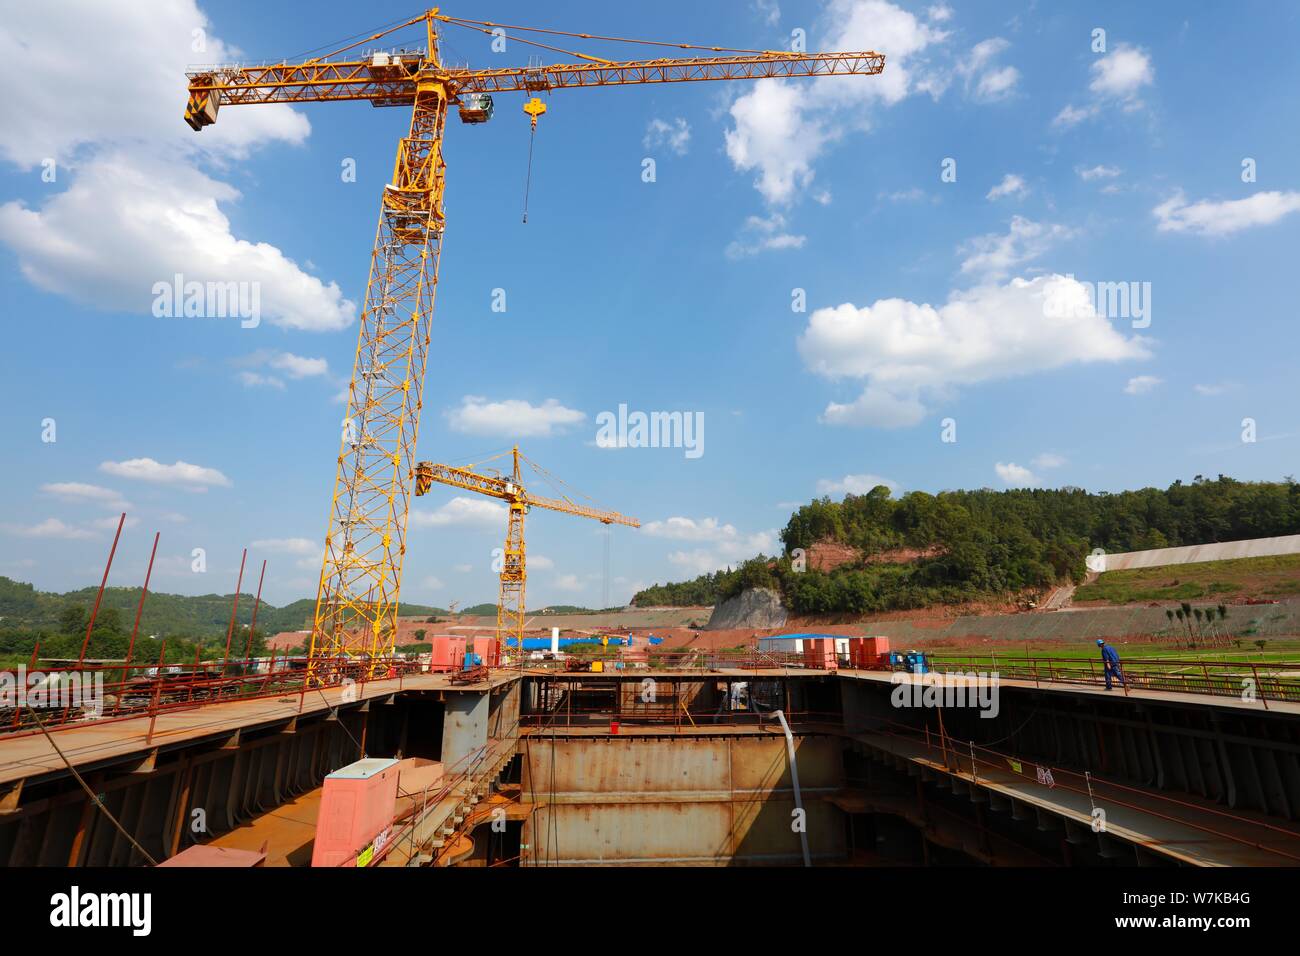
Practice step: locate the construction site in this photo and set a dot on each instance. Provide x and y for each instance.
(727, 735)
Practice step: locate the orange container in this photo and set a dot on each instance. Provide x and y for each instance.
(357, 805)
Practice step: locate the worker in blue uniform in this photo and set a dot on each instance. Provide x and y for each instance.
(1110, 661)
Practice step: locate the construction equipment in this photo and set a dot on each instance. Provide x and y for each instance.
(514, 565)
(365, 540)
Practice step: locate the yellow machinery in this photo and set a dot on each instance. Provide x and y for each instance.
(514, 565)
(365, 539)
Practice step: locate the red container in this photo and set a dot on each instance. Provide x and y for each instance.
(446, 653)
(819, 653)
(865, 652)
(613, 726)
(357, 806)
(487, 649)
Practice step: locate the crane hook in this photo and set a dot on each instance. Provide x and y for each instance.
(534, 108)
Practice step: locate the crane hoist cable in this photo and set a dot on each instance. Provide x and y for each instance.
(534, 108)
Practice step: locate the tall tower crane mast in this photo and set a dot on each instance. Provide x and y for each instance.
(365, 540)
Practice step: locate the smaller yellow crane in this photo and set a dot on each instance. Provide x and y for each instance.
(510, 489)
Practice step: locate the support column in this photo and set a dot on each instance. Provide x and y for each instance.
(464, 729)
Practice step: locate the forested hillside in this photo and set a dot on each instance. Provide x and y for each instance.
(987, 542)
(24, 608)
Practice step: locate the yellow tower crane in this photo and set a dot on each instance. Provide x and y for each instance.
(514, 564)
(365, 539)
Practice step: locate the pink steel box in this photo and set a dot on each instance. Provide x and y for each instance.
(357, 805)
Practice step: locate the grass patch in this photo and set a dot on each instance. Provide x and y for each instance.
(1271, 576)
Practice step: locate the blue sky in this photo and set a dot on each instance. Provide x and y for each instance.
(925, 297)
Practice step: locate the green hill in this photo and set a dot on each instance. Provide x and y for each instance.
(24, 608)
(985, 543)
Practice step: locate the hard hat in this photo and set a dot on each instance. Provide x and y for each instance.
(1100, 642)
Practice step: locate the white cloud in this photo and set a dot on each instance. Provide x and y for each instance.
(539, 562)
(294, 366)
(889, 29)
(110, 524)
(1087, 174)
(1011, 185)
(997, 84)
(195, 477)
(995, 255)
(1122, 73)
(129, 221)
(50, 528)
(769, 10)
(257, 380)
(915, 194)
(80, 493)
(774, 137)
(939, 13)
(1048, 460)
(725, 544)
(880, 407)
(1211, 390)
(780, 128)
(1141, 384)
(675, 136)
(431, 584)
(142, 102)
(689, 529)
(1117, 79)
(137, 209)
(462, 568)
(985, 81)
(1209, 218)
(763, 235)
(854, 485)
(473, 512)
(288, 546)
(907, 351)
(567, 582)
(1073, 116)
(512, 417)
(298, 366)
(698, 561)
(1015, 475)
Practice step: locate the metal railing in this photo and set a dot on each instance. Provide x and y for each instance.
(1245, 680)
(58, 697)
